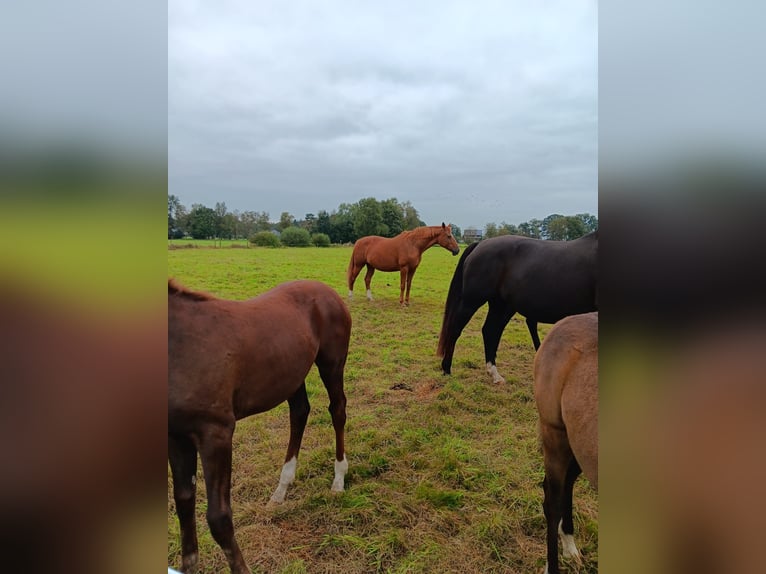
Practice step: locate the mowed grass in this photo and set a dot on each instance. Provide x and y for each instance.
(445, 473)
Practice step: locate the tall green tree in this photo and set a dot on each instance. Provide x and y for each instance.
(368, 218)
(490, 230)
(392, 215)
(531, 228)
(202, 222)
(285, 220)
(411, 217)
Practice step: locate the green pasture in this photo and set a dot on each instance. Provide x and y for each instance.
(445, 473)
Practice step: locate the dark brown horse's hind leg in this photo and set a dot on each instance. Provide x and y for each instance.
(331, 373)
(299, 414)
(182, 455)
(215, 452)
(457, 323)
(532, 326)
(492, 331)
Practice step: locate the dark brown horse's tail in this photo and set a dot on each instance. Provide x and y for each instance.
(454, 296)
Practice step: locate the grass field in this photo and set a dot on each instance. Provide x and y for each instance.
(445, 473)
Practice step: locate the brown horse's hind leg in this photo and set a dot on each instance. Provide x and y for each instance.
(566, 526)
(368, 279)
(558, 458)
(182, 455)
(299, 414)
(331, 373)
(215, 452)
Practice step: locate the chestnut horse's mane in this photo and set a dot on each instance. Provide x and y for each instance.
(175, 288)
(429, 230)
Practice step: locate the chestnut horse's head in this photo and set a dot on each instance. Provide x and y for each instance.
(447, 240)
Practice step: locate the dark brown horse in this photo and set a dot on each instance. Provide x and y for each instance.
(401, 253)
(543, 280)
(231, 359)
(566, 394)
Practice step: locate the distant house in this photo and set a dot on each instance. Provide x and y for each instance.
(472, 235)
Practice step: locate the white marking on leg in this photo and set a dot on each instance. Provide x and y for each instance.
(194, 479)
(350, 294)
(369, 295)
(492, 372)
(341, 468)
(568, 544)
(546, 567)
(285, 479)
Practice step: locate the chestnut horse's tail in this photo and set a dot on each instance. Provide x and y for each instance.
(454, 297)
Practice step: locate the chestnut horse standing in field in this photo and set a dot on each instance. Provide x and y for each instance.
(401, 253)
(231, 359)
(544, 281)
(566, 394)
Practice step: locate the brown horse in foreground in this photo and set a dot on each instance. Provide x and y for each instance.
(566, 393)
(231, 359)
(401, 253)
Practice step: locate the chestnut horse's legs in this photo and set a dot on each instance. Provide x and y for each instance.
(494, 325)
(299, 414)
(215, 452)
(532, 326)
(402, 284)
(410, 274)
(368, 279)
(182, 455)
(331, 372)
(353, 273)
(558, 458)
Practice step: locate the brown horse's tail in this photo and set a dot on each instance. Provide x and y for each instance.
(454, 296)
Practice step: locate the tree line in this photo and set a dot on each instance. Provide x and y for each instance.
(350, 221)
(346, 224)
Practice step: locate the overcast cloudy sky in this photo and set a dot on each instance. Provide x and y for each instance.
(473, 111)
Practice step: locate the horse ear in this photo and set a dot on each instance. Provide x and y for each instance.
(443, 226)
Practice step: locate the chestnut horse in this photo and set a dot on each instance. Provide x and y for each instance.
(566, 394)
(231, 359)
(401, 253)
(543, 280)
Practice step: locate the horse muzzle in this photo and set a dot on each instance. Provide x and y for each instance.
(456, 251)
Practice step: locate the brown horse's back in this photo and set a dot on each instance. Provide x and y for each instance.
(566, 386)
(250, 355)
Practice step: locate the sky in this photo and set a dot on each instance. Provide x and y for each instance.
(475, 112)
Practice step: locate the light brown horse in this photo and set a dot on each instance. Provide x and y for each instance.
(401, 253)
(566, 393)
(231, 359)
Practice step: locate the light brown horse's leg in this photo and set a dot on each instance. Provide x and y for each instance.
(353, 273)
(368, 279)
(410, 274)
(215, 452)
(402, 284)
(331, 373)
(182, 455)
(299, 414)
